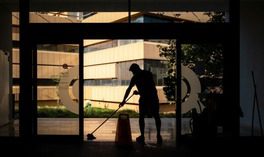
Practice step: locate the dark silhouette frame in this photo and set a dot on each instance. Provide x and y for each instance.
(33, 34)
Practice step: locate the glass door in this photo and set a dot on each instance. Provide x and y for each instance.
(202, 88)
(58, 89)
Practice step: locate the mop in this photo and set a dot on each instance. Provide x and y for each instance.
(91, 136)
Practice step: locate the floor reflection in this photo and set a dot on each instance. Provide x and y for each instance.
(107, 132)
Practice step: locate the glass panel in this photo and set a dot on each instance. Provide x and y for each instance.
(58, 89)
(154, 17)
(122, 17)
(107, 78)
(55, 17)
(15, 90)
(202, 89)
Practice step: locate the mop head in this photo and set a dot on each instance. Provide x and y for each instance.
(90, 137)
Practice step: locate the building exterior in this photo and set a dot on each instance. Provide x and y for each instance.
(105, 78)
(51, 58)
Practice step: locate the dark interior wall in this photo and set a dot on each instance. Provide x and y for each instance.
(251, 58)
(6, 48)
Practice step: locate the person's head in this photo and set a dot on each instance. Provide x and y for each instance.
(134, 68)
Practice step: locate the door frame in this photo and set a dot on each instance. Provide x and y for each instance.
(183, 32)
(80, 136)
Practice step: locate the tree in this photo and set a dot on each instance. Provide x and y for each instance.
(204, 59)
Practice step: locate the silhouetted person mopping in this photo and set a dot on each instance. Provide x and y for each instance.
(148, 101)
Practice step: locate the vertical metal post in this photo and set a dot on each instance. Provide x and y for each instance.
(25, 97)
(35, 89)
(129, 11)
(178, 93)
(81, 58)
(231, 126)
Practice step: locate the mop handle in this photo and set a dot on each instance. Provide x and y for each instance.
(111, 115)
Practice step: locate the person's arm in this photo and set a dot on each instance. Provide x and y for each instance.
(132, 83)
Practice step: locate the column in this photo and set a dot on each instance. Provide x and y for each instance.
(5, 64)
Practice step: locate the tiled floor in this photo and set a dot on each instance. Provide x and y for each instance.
(104, 145)
(107, 132)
